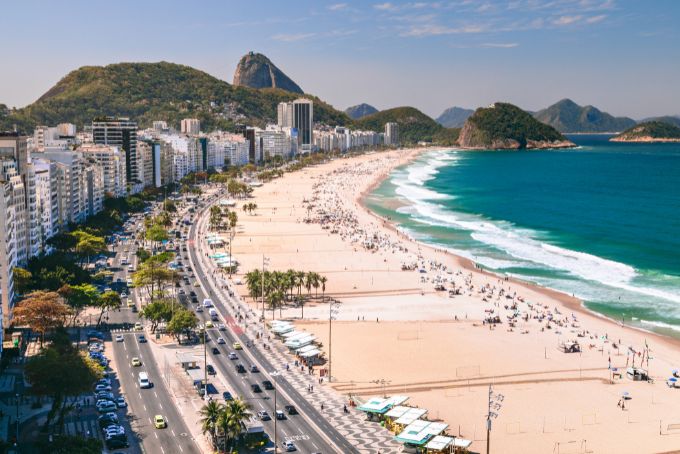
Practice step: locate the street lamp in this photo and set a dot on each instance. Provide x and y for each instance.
(17, 434)
(205, 364)
(331, 313)
(275, 374)
(495, 401)
(265, 261)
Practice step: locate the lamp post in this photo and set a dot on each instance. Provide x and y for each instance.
(205, 364)
(17, 429)
(276, 442)
(331, 313)
(265, 261)
(495, 401)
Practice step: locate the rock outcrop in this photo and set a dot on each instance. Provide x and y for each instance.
(257, 71)
(360, 110)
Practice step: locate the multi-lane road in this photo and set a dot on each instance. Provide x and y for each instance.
(308, 430)
(144, 404)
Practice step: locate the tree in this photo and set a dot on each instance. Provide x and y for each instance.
(153, 274)
(231, 419)
(60, 371)
(107, 301)
(156, 233)
(88, 245)
(210, 413)
(42, 311)
(78, 297)
(142, 254)
(156, 312)
(22, 280)
(323, 280)
(182, 322)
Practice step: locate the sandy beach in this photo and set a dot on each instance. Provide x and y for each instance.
(434, 345)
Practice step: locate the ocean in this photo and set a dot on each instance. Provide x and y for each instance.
(601, 222)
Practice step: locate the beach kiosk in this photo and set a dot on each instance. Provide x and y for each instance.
(445, 444)
(376, 407)
(399, 417)
(417, 434)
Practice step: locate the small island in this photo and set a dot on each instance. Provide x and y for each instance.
(649, 132)
(503, 126)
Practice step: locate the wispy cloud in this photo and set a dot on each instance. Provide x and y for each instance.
(438, 30)
(291, 37)
(337, 6)
(499, 45)
(387, 6)
(596, 19)
(567, 20)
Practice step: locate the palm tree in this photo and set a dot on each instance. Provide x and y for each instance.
(238, 412)
(323, 280)
(210, 413)
(315, 283)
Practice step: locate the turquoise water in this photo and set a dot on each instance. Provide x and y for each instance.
(601, 222)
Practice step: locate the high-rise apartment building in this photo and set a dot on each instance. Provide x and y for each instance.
(190, 126)
(391, 134)
(70, 191)
(47, 206)
(121, 133)
(112, 162)
(299, 115)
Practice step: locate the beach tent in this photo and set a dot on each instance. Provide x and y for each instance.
(304, 349)
(443, 443)
(227, 203)
(397, 412)
(294, 335)
(311, 353)
(283, 329)
(410, 416)
(300, 342)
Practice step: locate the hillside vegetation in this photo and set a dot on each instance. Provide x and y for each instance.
(507, 126)
(651, 131)
(414, 126)
(156, 91)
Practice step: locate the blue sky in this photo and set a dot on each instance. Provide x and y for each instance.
(621, 56)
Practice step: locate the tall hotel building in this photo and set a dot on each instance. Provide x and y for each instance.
(121, 133)
(298, 114)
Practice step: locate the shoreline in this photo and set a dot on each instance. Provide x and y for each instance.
(572, 302)
(393, 324)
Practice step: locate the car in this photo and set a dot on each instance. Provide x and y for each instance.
(240, 368)
(136, 362)
(107, 419)
(138, 326)
(123, 295)
(233, 355)
(142, 339)
(196, 284)
(192, 293)
(254, 369)
(267, 384)
(210, 369)
(263, 416)
(105, 395)
(104, 381)
(131, 303)
(227, 396)
(215, 351)
(237, 346)
(289, 446)
(199, 308)
(159, 422)
(181, 291)
(256, 388)
(291, 410)
(116, 443)
(222, 327)
(209, 324)
(120, 402)
(102, 387)
(120, 338)
(280, 415)
(221, 341)
(106, 407)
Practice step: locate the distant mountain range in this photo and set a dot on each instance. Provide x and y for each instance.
(454, 117)
(566, 116)
(671, 120)
(360, 110)
(258, 71)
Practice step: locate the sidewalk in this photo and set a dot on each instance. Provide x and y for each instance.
(365, 435)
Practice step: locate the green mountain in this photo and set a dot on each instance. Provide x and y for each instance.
(360, 110)
(156, 91)
(454, 117)
(414, 126)
(566, 116)
(258, 71)
(505, 126)
(651, 131)
(675, 121)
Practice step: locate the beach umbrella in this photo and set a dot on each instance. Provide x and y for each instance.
(672, 379)
(625, 395)
(675, 372)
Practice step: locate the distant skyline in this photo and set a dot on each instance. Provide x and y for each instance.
(620, 56)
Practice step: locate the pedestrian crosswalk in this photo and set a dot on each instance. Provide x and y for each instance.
(86, 427)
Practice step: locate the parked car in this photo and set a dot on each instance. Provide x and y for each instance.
(210, 369)
(102, 387)
(106, 407)
(227, 396)
(120, 402)
(120, 338)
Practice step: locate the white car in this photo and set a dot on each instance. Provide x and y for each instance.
(232, 355)
(221, 340)
(289, 446)
(222, 327)
(120, 402)
(120, 338)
